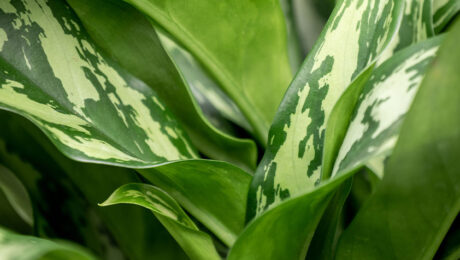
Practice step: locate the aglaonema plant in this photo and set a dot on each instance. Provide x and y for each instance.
(152, 129)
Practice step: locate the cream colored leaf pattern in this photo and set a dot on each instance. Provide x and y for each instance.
(88, 106)
(355, 35)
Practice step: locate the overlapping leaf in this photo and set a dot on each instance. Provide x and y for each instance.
(111, 23)
(213, 192)
(95, 113)
(416, 26)
(198, 245)
(241, 43)
(19, 247)
(418, 199)
(443, 12)
(53, 180)
(382, 105)
(357, 32)
(281, 231)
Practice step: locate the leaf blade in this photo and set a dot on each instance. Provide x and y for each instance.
(420, 189)
(197, 244)
(297, 134)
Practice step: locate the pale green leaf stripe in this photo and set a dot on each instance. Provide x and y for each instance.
(381, 108)
(196, 244)
(416, 26)
(285, 231)
(356, 34)
(93, 115)
(443, 12)
(16, 194)
(91, 109)
(20, 247)
(241, 43)
(110, 25)
(414, 206)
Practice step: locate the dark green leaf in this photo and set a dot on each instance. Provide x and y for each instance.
(16, 194)
(19, 247)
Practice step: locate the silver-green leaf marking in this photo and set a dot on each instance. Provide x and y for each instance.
(90, 108)
(355, 35)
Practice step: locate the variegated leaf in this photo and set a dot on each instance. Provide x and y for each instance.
(110, 24)
(197, 244)
(89, 107)
(356, 34)
(69, 191)
(413, 207)
(381, 108)
(416, 26)
(95, 113)
(443, 12)
(285, 230)
(20, 247)
(241, 43)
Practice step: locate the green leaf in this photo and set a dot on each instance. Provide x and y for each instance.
(443, 12)
(213, 192)
(241, 43)
(197, 244)
(20, 247)
(281, 232)
(382, 105)
(329, 228)
(416, 26)
(356, 33)
(16, 194)
(418, 198)
(111, 23)
(99, 134)
(51, 177)
(91, 109)
(215, 104)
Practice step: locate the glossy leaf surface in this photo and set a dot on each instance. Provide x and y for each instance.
(213, 192)
(356, 33)
(111, 23)
(65, 194)
(20, 247)
(198, 245)
(418, 198)
(241, 43)
(382, 105)
(91, 109)
(282, 231)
